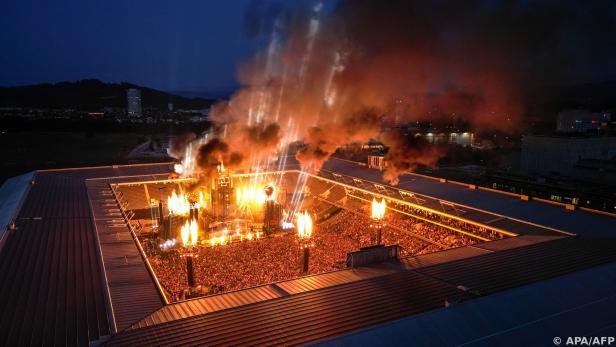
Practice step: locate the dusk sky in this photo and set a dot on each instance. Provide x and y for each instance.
(187, 45)
(195, 45)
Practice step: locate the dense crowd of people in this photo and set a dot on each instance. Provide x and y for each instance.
(278, 257)
(229, 267)
(343, 225)
(440, 218)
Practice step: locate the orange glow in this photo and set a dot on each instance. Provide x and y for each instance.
(190, 233)
(378, 209)
(304, 225)
(178, 168)
(178, 204)
(237, 236)
(201, 201)
(250, 196)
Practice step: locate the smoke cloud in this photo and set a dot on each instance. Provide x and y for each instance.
(177, 145)
(406, 152)
(333, 76)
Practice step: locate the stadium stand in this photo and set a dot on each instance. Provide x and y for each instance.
(320, 314)
(72, 273)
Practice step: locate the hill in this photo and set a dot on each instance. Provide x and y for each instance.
(91, 94)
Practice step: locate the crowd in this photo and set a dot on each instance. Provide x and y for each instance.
(342, 226)
(276, 258)
(230, 267)
(440, 218)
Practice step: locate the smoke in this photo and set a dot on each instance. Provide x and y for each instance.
(213, 153)
(177, 145)
(258, 139)
(331, 76)
(406, 152)
(322, 141)
(263, 136)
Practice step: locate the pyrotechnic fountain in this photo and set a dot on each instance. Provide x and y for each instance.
(304, 237)
(178, 204)
(181, 208)
(190, 236)
(378, 213)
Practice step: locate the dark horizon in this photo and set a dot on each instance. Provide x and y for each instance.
(185, 92)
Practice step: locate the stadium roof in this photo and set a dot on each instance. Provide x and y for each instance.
(52, 288)
(547, 215)
(71, 274)
(532, 315)
(317, 315)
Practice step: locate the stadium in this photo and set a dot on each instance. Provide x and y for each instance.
(248, 236)
(135, 255)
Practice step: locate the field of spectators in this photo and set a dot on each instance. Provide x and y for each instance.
(342, 225)
(276, 258)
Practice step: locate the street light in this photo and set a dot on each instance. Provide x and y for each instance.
(378, 213)
(304, 236)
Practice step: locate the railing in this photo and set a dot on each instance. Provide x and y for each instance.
(133, 232)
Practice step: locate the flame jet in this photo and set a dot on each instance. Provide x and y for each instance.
(378, 209)
(190, 233)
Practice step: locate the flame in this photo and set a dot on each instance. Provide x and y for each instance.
(185, 233)
(378, 209)
(178, 168)
(201, 203)
(178, 204)
(190, 233)
(250, 195)
(194, 232)
(226, 238)
(304, 225)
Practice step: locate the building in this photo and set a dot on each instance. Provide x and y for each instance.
(377, 162)
(560, 154)
(133, 99)
(581, 121)
(455, 138)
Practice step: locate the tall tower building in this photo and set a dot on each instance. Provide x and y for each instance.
(133, 98)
